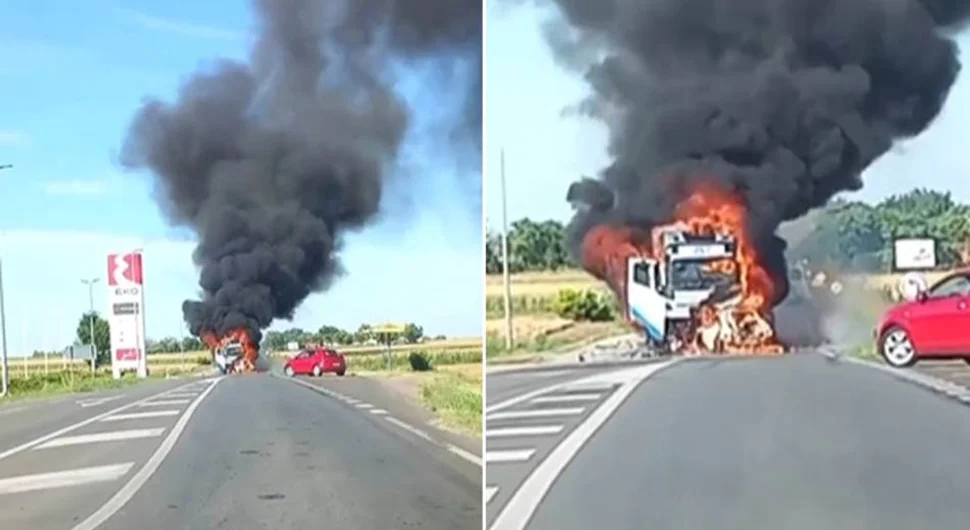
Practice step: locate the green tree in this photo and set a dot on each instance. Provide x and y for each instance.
(335, 335)
(363, 334)
(191, 344)
(102, 335)
(493, 253)
(413, 332)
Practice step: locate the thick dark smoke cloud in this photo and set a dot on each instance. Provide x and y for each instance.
(787, 101)
(270, 162)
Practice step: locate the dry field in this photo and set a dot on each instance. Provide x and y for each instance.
(540, 284)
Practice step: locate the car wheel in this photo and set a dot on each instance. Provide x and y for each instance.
(317, 371)
(897, 348)
(342, 372)
(288, 371)
(966, 360)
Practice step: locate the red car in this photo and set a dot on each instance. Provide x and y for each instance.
(316, 361)
(935, 325)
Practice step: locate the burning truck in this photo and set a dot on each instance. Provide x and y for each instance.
(233, 353)
(694, 285)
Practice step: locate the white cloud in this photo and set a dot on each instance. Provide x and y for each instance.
(81, 187)
(181, 27)
(16, 138)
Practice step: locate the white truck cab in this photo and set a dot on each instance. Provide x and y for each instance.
(226, 357)
(662, 294)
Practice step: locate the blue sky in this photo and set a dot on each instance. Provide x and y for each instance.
(73, 74)
(526, 92)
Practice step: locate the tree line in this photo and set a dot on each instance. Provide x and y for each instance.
(273, 340)
(533, 246)
(851, 236)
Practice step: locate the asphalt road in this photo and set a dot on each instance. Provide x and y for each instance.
(25, 420)
(789, 443)
(508, 384)
(251, 451)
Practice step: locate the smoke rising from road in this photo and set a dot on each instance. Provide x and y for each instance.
(786, 101)
(270, 162)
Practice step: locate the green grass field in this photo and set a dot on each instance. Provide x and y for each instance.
(33, 365)
(454, 395)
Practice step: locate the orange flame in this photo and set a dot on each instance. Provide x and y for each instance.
(247, 363)
(708, 210)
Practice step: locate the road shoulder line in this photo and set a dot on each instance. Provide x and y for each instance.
(517, 512)
(356, 405)
(948, 389)
(131, 488)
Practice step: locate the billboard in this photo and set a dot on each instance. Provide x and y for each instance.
(914, 254)
(126, 313)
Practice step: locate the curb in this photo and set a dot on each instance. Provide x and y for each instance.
(943, 387)
(553, 361)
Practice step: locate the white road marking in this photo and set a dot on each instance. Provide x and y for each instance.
(394, 421)
(590, 386)
(37, 441)
(600, 381)
(364, 406)
(467, 455)
(534, 374)
(566, 398)
(537, 430)
(513, 455)
(63, 479)
(142, 415)
(110, 436)
(518, 510)
(164, 402)
(180, 395)
(522, 414)
(490, 492)
(128, 490)
(410, 428)
(94, 402)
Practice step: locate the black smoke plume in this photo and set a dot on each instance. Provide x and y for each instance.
(786, 101)
(271, 161)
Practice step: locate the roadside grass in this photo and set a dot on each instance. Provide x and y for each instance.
(401, 362)
(556, 342)
(454, 396)
(70, 382)
(866, 353)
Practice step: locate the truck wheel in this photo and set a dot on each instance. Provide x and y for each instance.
(288, 371)
(317, 371)
(342, 372)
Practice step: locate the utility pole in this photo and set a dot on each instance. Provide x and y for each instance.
(3, 329)
(505, 257)
(94, 349)
(5, 377)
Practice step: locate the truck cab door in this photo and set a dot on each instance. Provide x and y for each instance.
(647, 307)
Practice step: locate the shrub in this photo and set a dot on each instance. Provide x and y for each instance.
(583, 305)
(419, 362)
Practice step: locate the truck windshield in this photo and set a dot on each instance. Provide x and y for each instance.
(695, 274)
